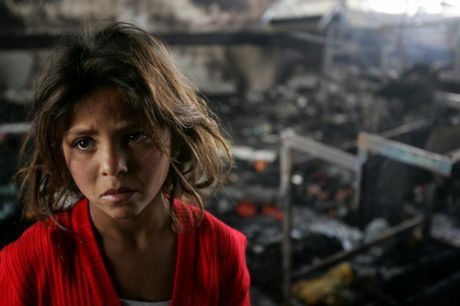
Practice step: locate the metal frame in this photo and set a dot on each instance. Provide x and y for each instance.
(290, 141)
(367, 144)
(435, 163)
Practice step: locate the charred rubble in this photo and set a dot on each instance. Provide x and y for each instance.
(412, 269)
(409, 270)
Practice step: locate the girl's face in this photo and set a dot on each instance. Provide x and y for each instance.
(112, 158)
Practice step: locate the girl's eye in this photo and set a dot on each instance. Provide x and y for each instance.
(137, 137)
(84, 144)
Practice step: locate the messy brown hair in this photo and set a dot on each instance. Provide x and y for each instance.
(123, 56)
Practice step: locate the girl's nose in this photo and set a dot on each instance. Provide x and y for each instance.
(113, 161)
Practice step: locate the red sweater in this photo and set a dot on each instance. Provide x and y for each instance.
(48, 266)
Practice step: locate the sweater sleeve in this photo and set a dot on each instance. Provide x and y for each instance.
(235, 282)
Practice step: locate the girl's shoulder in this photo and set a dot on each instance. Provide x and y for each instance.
(208, 225)
(210, 233)
(39, 241)
(31, 247)
(223, 232)
(27, 263)
(23, 262)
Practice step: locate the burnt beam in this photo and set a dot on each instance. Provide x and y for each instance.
(21, 41)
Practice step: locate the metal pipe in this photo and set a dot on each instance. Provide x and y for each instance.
(362, 159)
(285, 170)
(14, 128)
(404, 153)
(322, 151)
(449, 98)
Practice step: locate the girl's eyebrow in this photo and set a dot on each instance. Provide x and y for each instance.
(93, 131)
(80, 131)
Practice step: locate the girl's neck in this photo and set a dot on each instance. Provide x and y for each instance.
(154, 220)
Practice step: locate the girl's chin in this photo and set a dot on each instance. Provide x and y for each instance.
(119, 211)
(123, 212)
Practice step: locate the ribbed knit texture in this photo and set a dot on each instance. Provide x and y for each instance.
(48, 266)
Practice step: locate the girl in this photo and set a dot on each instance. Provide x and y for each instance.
(120, 144)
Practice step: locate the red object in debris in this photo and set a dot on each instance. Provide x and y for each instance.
(260, 165)
(273, 211)
(246, 209)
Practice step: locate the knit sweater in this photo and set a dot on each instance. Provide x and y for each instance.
(49, 266)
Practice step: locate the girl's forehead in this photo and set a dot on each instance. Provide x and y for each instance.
(106, 104)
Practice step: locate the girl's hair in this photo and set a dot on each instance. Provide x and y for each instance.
(125, 57)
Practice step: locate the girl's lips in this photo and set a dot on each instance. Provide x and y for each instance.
(118, 196)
